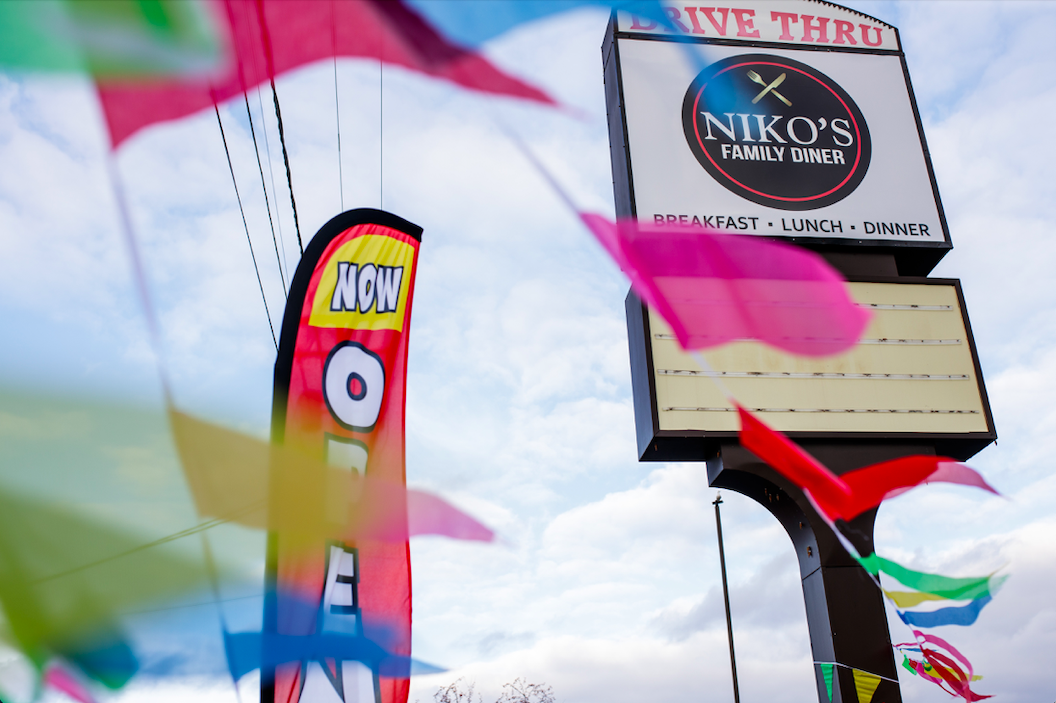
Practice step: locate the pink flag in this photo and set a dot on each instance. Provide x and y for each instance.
(57, 678)
(955, 669)
(851, 494)
(270, 37)
(714, 288)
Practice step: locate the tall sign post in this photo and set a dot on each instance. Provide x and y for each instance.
(796, 120)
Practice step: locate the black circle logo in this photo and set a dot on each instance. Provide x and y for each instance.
(776, 132)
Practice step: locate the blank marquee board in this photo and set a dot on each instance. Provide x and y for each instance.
(914, 376)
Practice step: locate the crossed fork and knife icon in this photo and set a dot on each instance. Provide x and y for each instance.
(768, 87)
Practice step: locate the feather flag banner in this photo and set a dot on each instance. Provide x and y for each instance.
(270, 37)
(339, 397)
(716, 288)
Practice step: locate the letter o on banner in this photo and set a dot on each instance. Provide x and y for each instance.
(354, 386)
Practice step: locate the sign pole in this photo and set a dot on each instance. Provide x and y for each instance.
(726, 599)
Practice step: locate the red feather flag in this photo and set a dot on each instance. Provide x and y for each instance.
(269, 37)
(339, 395)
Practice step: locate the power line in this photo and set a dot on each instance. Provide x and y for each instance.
(337, 108)
(156, 543)
(245, 224)
(381, 130)
(271, 174)
(264, 187)
(269, 57)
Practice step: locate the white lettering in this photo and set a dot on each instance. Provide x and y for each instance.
(388, 287)
(365, 286)
(790, 128)
(765, 129)
(842, 131)
(744, 126)
(709, 120)
(345, 290)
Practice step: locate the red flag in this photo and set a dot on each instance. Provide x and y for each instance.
(269, 37)
(850, 494)
(790, 461)
(339, 395)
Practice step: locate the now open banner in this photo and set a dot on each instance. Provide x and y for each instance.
(339, 394)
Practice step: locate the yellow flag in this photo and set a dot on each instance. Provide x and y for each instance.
(865, 685)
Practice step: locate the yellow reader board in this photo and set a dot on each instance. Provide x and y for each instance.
(914, 371)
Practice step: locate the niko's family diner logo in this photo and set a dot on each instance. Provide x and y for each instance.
(776, 132)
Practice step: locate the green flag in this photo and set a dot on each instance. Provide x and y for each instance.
(826, 673)
(111, 39)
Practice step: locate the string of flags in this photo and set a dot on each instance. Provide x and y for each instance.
(865, 683)
(67, 579)
(706, 285)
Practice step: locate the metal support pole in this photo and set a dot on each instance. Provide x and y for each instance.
(726, 599)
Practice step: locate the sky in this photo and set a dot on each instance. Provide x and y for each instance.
(605, 584)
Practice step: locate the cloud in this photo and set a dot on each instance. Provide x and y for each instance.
(519, 403)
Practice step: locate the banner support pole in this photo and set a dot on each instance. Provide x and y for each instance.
(726, 598)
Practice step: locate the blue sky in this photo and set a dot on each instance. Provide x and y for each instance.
(519, 404)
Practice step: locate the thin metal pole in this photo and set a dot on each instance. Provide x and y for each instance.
(726, 599)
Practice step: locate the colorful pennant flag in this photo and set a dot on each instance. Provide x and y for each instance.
(66, 579)
(865, 685)
(113, 39)
(270, 37)
(247, 651)
(978, 596)
(952, 667)
(473, 23)
(715, 288)
(826, 675)
(58, 678)
(841, 498)
(846, 496)
(237, 478)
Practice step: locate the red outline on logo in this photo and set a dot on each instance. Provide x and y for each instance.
(857, 133)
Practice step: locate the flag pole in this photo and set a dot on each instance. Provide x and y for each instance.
(726, 599)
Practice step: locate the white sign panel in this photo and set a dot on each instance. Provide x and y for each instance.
(776, 141)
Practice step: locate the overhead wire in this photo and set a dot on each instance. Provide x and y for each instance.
(264, 187)
(381, 124)
(274, 190)
(200, 527)
(245, 224)
(269, 57)
(337, 108)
